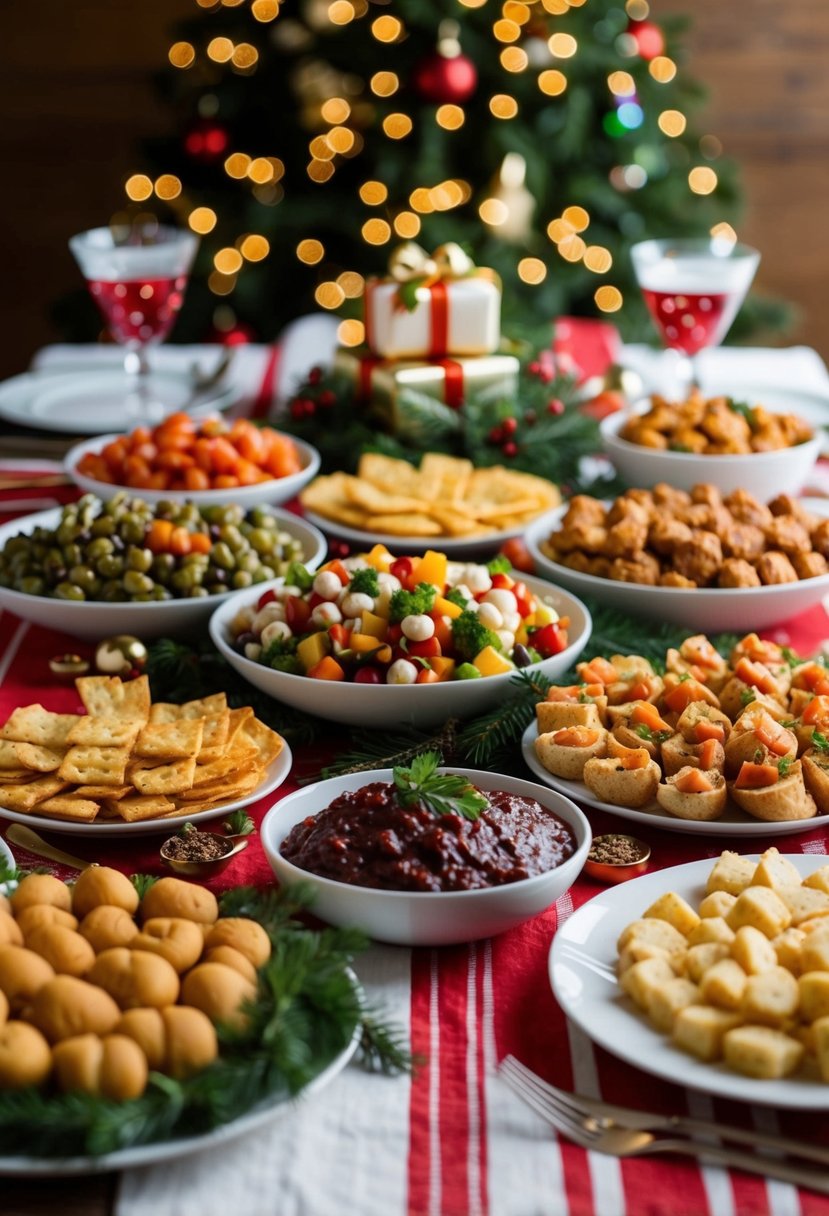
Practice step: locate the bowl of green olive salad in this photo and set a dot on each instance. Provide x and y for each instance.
(95, 568)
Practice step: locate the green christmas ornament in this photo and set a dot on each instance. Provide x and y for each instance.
(121, 655)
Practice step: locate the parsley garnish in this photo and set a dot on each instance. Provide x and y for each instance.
(238, 823)
(365, 582)
(747, 411)
(747, 695)
(784, 764)
(793, 660)
(820, 741)
(440, 793)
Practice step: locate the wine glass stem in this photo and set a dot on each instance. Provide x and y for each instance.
(137, 367)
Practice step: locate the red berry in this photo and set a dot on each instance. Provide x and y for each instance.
(326, 398)
(315, 375)
(510, 449)
(534, 368)
(298, 409)
(509, 426)
(496, 435)
(555, 406)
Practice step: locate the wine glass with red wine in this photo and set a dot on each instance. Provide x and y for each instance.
(137, 276)
(693, 289)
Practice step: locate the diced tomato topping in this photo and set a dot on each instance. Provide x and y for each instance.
(636, 757)
(598, 671)
(772, 735)
(706, 729)
(693, 781)
(338, 634)
(816, 711)
(403, 568)
(708, 753)
(756, 776)
(574, 692)
(427, 676)
(575, 736)
(756, 675)
(501, 580)
(336, 567)
(648, 715)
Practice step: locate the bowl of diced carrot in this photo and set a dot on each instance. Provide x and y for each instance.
(207, 460)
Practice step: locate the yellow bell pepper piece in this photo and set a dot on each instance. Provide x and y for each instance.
(446, 607)
(373, 624)
(313, 648)
(490, 663)
(432, 568)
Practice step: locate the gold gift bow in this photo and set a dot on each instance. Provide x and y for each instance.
(411, 266)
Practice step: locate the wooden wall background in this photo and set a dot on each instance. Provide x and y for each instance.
(77, 97)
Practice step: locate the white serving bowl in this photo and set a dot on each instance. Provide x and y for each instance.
(763, 474)
(425, 918)
(702, 609)
(390, 705)
(95, 619)
(276, 490)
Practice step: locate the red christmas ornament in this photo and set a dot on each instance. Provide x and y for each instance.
(648, 37)
(444, 79)
(206, 141)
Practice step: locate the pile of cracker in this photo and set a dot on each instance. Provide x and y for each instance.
(445, 496)
(126, 759)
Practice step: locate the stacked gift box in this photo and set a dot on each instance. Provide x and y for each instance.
(433, 326)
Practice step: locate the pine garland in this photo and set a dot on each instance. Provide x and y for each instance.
(540, 428)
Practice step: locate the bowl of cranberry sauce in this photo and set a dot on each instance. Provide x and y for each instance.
(416, 867)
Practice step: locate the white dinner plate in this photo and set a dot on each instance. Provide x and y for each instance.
(452, 546)
(702, 609)
(734, 822)
(167, 1150)
(276, 772)
(582, 974)
(90, 401)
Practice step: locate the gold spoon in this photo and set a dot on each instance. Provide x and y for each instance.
(18, 833)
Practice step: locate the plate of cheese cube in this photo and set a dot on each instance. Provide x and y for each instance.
(713, 975)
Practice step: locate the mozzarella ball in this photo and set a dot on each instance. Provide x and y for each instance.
(253, 651)
(355, 602)
(327, 585)
(273, 611)
(388, 582)
(490, 616)
(418, 627)
(512, 621)
(275, 631)
(401, 672)
(478, 579)
(326, 614)
(506, 638)
(502, 598)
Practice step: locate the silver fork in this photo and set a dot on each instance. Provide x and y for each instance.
(611, 1136)
(639, 1120)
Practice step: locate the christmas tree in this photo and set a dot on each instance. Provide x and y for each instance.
(315, 135)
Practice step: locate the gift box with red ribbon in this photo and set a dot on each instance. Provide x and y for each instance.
(380, 383)
(431, 307)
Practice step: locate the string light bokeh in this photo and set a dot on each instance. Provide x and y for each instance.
(345, 113)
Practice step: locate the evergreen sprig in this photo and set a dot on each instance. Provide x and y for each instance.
(308, 1008)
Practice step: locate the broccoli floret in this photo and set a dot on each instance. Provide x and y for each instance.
(365, 582)
(456, 596)
(412, 603)
(281, 656)
(469, 636)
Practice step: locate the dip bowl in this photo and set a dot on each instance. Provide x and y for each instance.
(425, 918)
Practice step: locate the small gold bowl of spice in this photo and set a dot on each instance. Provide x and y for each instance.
(195, 854)
(616, 858)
